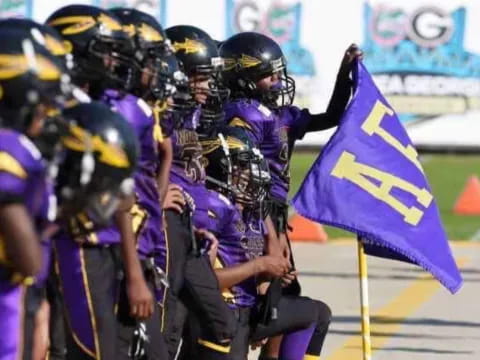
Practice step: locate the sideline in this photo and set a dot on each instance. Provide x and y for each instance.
(352, 242)
(400, 307)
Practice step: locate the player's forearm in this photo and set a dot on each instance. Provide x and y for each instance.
(228, 277)
(123, 221)
(272, 241)
(22, 245)
(336, 107)
(165, 160)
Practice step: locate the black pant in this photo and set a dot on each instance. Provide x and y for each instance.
(155, 348)
(57, 326)
(294, 313)
(99, 276)
(193, 285)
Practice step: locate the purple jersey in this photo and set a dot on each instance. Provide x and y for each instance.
(188, 172)
(229, 228)
(187, 151)
(196, 196)
(147, 218)
(255, 233)
(273, 132)
(22, 179)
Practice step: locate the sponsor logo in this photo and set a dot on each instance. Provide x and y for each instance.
(419, 61)
(277, 19)
(15, 8)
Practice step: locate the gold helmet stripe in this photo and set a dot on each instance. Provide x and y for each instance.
(189, 46)
(12, 66)
(78, 24)
(80, 140)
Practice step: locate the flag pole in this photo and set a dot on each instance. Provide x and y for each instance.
(363, 275)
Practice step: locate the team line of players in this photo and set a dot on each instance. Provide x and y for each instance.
(144, 176)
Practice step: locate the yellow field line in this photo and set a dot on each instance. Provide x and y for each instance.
(403, 305)
(453, 243)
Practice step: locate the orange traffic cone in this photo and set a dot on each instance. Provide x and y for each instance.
(468, 203)
(306, 230)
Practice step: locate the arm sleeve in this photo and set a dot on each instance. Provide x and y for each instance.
(336, 107)
(297, 120)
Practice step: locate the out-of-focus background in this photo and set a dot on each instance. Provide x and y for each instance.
(424, 55)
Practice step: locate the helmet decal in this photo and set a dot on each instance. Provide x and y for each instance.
(12, 66)
(109, 23)
(56, 47)
(189, 46)
(68, 46)
(78, 23)
(247, 61)
(129, 29)
(230, 63)
(109, 153)
(239, 122)
(211, 145)
(148, 33)
(83, 23)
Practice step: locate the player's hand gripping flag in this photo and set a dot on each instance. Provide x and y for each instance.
(368, 180)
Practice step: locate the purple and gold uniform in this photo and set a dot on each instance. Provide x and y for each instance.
(147, 213)
(187, 171)
(230, 230)
(255, 233)
(22, 179)
(75, 260)
(187, 166)
(274, 133)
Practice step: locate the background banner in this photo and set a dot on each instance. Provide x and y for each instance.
(424, 55)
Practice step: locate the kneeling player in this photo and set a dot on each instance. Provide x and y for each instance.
(236, 171)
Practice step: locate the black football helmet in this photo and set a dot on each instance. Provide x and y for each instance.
(250, 57)
(94, 171)
(236, 168)
(103, 52)
(44, 35)
(198, 53)
(151, 48)
(31, 80)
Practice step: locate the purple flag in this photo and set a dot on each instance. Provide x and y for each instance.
(368, 180)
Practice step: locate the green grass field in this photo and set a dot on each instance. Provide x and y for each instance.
(447, 175)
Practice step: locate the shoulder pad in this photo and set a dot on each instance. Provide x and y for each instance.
(250, 110)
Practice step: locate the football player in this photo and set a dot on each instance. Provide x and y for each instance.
(102, 54)
(262, 94)
(32, 82)
(240, 172)
(190, 273)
